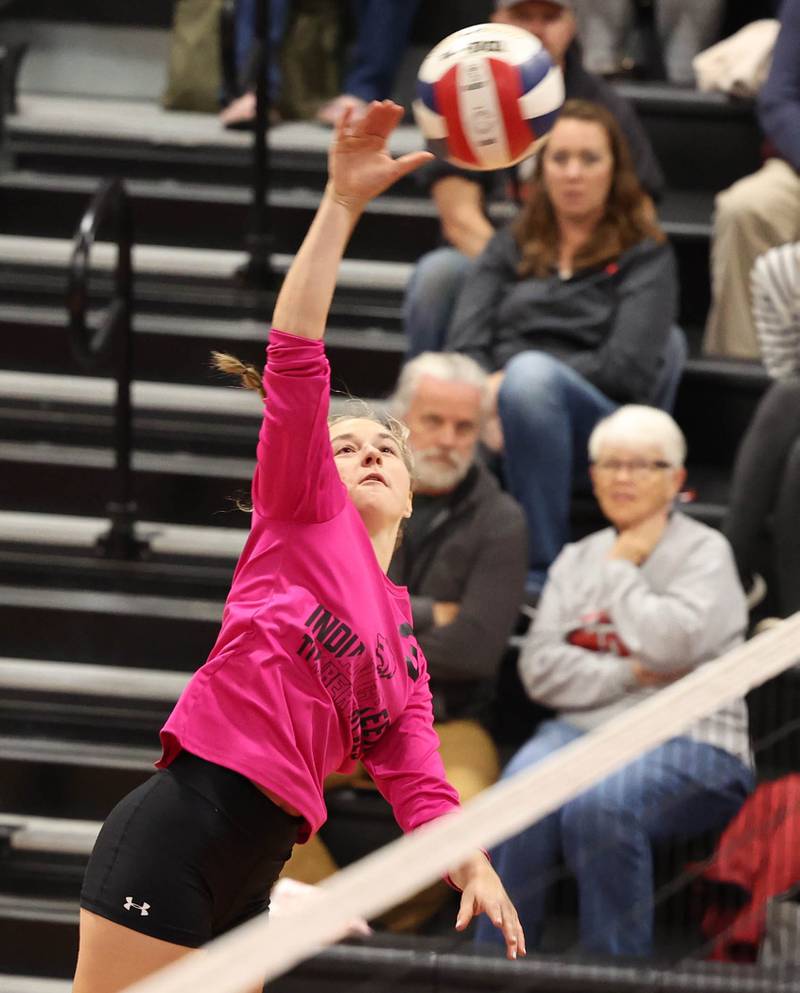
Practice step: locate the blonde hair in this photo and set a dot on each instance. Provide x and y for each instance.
(250, 378)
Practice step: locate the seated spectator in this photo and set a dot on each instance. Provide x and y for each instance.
(766, 488)
(760, 211)
(766, 478)
(383, 29)
(775, 285)
(462, 557)
(461, 196)
(241, 112)
(684, 28)
(571, 309)
(463, 561)
(625, 612)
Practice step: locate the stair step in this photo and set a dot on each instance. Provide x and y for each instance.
(129, 683)
(215, 217)
(191, 263)
(72, 531)
(98, 627)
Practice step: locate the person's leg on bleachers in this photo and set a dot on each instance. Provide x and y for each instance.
(787, 534)
(681, 789)
(686, 28)
(604, 29)
(669, 377)
(382, 32)
(469, 755)
(241, 111)
(525, 861)
(430, 298)
(759, 470)
(384, 27)
(755, 214)
(548, 412)
(310, 863)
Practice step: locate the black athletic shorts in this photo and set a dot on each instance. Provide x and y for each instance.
(189, 854)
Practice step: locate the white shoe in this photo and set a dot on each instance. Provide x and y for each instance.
(756, 591)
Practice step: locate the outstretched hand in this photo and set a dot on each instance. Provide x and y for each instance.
(483, 893)
(360, 166)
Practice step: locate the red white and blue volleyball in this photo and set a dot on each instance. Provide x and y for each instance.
(486, 95)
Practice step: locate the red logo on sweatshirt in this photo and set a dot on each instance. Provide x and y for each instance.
(598, 634)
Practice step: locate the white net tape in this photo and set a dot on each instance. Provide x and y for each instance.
(262, 949)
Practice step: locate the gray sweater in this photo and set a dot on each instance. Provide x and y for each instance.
(682, 608)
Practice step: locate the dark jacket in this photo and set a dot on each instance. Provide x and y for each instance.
(475, 554)
(610, 323)
(779, 100)
(583, 85)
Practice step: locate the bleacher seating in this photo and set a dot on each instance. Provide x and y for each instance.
(76, 738)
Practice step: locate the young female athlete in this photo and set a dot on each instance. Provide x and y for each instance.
(315, 666)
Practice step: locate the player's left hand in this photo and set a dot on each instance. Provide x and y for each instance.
(360, 166)
(483, 893)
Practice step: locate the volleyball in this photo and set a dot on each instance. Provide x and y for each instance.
(486, 95)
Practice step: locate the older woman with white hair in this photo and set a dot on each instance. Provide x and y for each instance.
(624, 612)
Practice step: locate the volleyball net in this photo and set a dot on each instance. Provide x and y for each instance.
(263, 948)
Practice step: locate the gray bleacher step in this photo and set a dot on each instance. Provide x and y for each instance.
(77, 753)
(193, 193)
(72, 531)
(214, 330)
(147, 121)
(98, 391)
(158, 463)
(192, 263)
(38, 909)
(172, 212)
(91, 680)
(117, 605)
(72, 59)
(33, 984)
(49, 834)
(98, 620)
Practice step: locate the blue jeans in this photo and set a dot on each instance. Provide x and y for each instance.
(680, 789)
(431, 298)
(383, 30)
(548, 412)
(244, 40)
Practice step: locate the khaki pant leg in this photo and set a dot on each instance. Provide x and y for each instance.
(469, 756)
(755, 214)
(310, 863)
(472, 764)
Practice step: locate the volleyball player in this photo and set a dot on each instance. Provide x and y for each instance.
(316, 664)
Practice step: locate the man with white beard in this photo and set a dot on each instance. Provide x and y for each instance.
(463, 557)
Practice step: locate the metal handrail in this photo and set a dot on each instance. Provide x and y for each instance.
(109, 346)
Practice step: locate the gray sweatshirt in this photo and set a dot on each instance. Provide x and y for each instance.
(682, 607)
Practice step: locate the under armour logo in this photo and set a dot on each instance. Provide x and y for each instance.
(141, 907)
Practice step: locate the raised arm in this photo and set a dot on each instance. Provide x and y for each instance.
(359, 169)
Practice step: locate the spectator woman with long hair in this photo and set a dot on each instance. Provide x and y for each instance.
(572, 309)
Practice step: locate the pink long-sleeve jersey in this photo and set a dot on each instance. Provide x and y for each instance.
(316, 664)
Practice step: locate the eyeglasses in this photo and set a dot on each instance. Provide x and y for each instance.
(636, 468)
